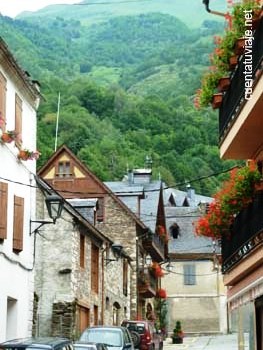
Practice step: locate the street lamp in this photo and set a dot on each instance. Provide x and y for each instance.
(54, 204)
(206, 3)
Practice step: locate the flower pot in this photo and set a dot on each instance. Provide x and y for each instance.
(6, 138)
(239, 46)
(233, 61)
(217, 100)
(258, 14)
(23, 155)
(177, 340)
(223, 84)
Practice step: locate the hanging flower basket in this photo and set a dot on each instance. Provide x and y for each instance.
(217, 100)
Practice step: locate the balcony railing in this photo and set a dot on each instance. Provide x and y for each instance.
(155, 246)
(147, 283)
(246, 233)
(235, 95)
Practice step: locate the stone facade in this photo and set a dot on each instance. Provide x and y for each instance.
(121, 228)
(64, 287)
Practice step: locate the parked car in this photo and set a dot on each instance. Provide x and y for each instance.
(89, 346)
(149, 338)
(45, 343)
(115, 338)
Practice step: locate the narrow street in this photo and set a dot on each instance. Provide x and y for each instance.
(213, 342)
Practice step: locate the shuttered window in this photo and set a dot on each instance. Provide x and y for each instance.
(189, 274)
(94, 268)
(18, 224)
(2, 99)
(3, 209)
(18, 115)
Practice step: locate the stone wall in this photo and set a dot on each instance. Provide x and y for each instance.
(121, 228)
(64, 319)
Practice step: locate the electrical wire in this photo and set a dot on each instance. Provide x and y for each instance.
(131, 192)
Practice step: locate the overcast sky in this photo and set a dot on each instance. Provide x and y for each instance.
(12, 8)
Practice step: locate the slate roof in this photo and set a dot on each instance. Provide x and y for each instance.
(185, 216)
(85, 207)
(128, 192)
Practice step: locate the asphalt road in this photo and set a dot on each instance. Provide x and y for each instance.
(213, 342)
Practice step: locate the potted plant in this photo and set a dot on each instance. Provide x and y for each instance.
(235, 195)
(9, 136)
(25, 154)
(178, 334)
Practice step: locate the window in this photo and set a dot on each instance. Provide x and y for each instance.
(94, 268)
(2, 99)
(64, 169)
(3, 209)
(18, 224)
(189, 274)
(18, 115)
(82, 251)
(96, 315)
(125, 277)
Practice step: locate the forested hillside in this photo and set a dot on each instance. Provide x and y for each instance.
(127, 89)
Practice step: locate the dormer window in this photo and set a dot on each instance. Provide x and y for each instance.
(64, 169)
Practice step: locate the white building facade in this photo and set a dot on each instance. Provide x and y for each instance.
(19, 99)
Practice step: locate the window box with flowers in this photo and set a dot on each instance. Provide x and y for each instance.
(235, 195)
(25, 154)
(225, 49)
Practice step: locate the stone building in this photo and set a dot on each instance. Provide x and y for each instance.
(73, 180)
(72, 272)
(195, 292)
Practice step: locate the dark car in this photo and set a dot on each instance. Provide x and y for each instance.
(144, 334)
(115, 338)
(44, 343)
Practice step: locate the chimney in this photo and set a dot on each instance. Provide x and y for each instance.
(190, 192)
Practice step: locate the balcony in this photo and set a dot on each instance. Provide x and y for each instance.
(147, 283)
(155, 246)
(240, 118)
(246, 234)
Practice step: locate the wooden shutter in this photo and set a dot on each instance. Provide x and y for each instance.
(94, 268)
(3, 209)
(18, 224)
(84, 318)
(3, 98)
(18, 115)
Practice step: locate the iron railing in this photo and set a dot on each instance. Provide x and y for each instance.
(235, 95)
(245, 235)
